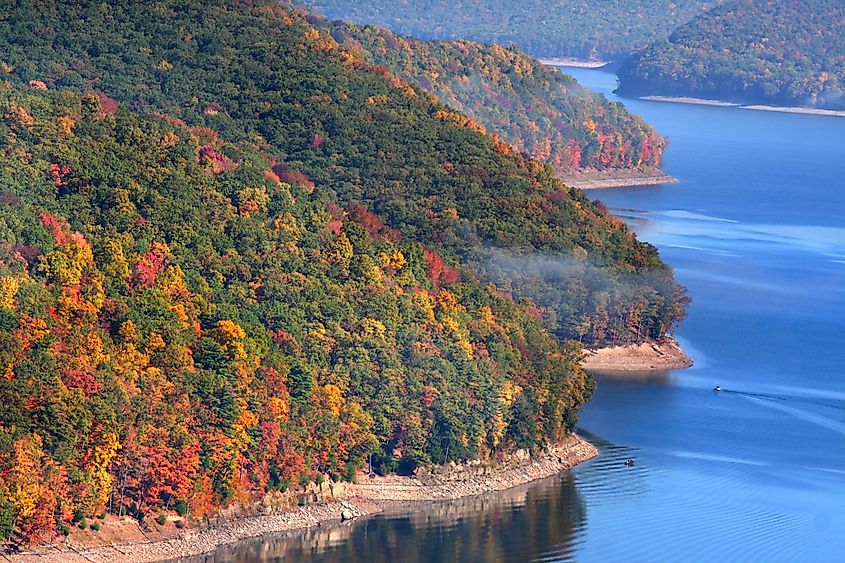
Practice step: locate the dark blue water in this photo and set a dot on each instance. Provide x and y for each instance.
(756, 231)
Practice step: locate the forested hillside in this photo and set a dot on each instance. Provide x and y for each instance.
(586, 29)
(234, 255)
(181, 325)
(536, 109)
(258, 73)
(790, 53)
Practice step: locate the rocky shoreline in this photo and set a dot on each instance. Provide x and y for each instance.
(474, 478)
(274, 513)
(648, 356)
(621, 178)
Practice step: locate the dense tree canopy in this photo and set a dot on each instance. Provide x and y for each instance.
(179, 324)
(234, 254)
(534, 108)
(750, 51)
(254, 71)
(587, 29)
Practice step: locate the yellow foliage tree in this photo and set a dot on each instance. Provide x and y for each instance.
(26, 486)
(231, 336)
(65, 265)
(103, 454)
(8, 290)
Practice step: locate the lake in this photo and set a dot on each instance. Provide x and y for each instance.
(756, 230)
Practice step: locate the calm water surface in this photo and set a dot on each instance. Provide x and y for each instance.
(756, 231)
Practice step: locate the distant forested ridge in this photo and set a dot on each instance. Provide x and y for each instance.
(234, 256)
(790, 53)
(585, 29)
(537, 109)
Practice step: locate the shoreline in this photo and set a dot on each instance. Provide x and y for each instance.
(620, 178)
(365, 497)
(574, 63)
(789, 109)
(645, 357)
(474, 478)
(754, 107)
(689, 100)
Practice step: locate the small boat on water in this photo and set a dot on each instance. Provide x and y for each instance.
(717, 388)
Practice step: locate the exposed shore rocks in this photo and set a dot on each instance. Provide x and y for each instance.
(648, 356)
(454, 481)
(618, 178)
(124, 541)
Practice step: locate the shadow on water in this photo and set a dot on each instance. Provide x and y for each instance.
(659, 376)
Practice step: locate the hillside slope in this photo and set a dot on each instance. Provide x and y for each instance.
(253, 71)
(585, 29)
(537, 109)
(180, 326)
(235, 257)
(786, 53)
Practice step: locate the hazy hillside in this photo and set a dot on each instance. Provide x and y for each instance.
(772, 52)
(537, 109)
(589, 29)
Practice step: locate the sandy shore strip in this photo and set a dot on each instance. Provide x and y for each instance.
(648, 356)
(689, 100)
(128, 543)
(755, 107)
(620, 178)
(574, 63)
(808, 111)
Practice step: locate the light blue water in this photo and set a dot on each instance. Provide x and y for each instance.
(756, 231)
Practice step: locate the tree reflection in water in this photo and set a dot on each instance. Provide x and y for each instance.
(515, 525)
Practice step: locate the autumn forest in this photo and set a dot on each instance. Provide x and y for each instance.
(240, 252)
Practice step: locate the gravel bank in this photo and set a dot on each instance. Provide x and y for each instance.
(128, 543)
(638, 357)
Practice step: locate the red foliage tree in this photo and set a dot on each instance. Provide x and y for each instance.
(370, 222)
(439, 272)
(149, 266)
(573, 150)
(55, 227)
(108, 106)
(366, 219)
(58, 173)
(79, 379)
(289, 176)
(218, 162)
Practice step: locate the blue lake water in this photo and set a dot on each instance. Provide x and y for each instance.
(756, 231)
